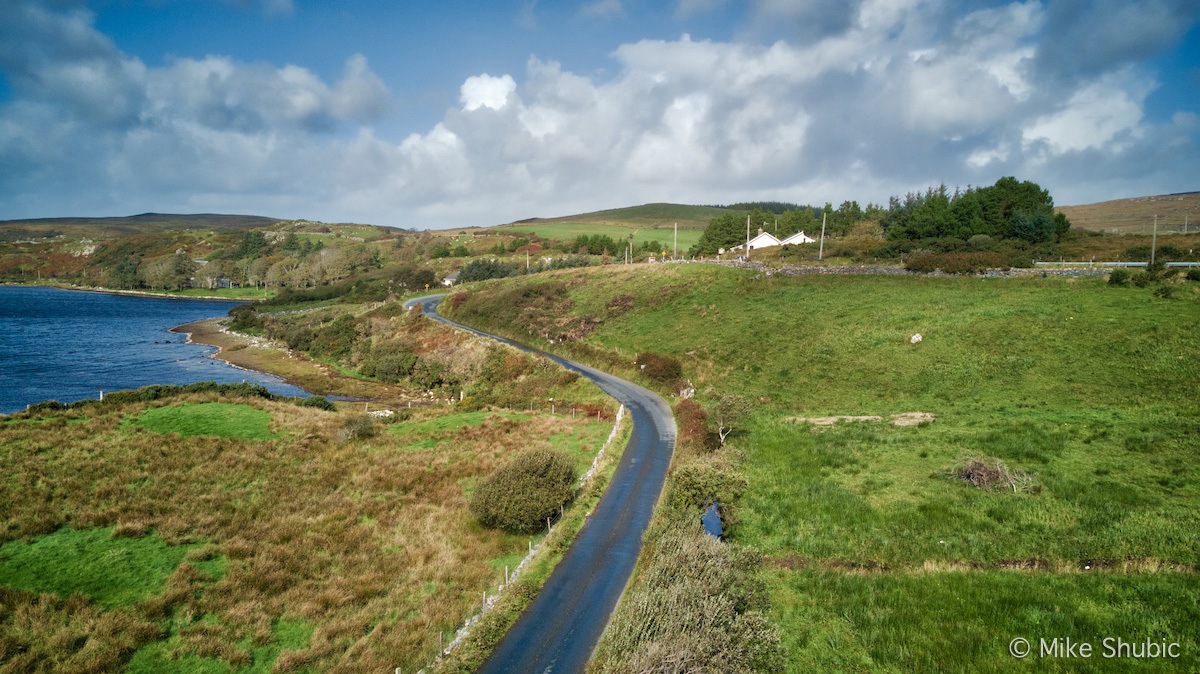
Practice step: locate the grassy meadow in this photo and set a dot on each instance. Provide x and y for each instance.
(207, 534)
(568, 231)
(879, 554)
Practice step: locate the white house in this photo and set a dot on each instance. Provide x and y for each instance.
(451, 279)
(798, 237)
(763, 240)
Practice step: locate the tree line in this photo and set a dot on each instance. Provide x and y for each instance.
(1007, 210)
(1010, 209)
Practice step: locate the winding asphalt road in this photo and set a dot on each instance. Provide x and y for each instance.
(559, 630)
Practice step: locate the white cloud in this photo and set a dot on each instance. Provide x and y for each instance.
(1092, 118)
(896, 96)
(485, 91)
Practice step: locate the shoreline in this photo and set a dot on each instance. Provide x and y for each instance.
(264, 356)
(131, 293)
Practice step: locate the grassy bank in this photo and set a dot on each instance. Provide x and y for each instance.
(263, 355)
(882, 556)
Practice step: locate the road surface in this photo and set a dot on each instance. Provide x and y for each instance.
(559, 630)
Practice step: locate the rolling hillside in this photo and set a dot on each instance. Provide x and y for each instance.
(109, 228)
(1136, 215)
(648, 222)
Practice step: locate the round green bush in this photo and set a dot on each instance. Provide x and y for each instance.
(523, 494)
(1118, 277)
(319, 402)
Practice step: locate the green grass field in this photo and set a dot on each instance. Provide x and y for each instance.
(567, 231)
(216, 419)
(109, 570)
(879, 557)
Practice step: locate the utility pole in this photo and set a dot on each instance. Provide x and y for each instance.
(821, 251)
(675, 253)
(1154, 239)
(747, 236)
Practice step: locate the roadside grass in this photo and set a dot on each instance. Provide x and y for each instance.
(368, 544)
(882, 559)
(580, 437)
(964, 622)
(216, 419)
(873, 495)
(551, 547)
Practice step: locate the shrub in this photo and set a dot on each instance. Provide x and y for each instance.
(390, 366)
(956, 263)
(694, 433)
(160, 391)
(981, 242)
(700, 602)
(46, 406)
(1169, 252)
(660, 368)
(244, 317)
(699, 483)
(1193, 274)
(1143, 279)
(336, 338)
(358, 427)
(319, 402)
(523, 494)
(482, 270)
(1165, 292)
(1118, 277)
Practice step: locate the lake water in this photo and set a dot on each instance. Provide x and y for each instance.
(67, 345)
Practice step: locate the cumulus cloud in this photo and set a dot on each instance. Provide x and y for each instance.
(485, 91)
(879, 97)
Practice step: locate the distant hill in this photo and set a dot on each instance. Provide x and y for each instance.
(648, 222)
(109, 228)
(1136, 215)
(646, 215)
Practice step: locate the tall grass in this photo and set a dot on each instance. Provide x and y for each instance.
(369, 541)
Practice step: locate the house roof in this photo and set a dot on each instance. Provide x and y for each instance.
(798, 237)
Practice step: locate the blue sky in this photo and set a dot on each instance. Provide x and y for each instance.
(453, 113)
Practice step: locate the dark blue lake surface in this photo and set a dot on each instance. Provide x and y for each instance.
(67, 345)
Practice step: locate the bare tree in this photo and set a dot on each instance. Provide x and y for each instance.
(731, 412)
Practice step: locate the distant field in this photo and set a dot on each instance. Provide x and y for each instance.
(646, 215)
(566, 231)
(649, 222)
(1136, 215)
